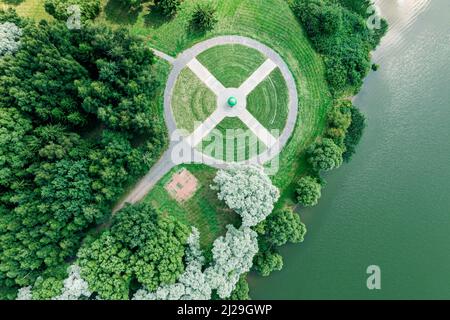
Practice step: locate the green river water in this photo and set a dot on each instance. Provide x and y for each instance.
(391, 205)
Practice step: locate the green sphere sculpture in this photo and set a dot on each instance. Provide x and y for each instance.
(232, 101)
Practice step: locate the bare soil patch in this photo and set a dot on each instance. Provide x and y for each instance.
(182, 186)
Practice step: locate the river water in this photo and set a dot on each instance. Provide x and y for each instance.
(391, 205)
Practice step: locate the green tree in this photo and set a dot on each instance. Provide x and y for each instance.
(241, 291)
(167, 7)
(359, 6)
(309, 191)
(141, 245)
(47, 288)
(114, 164)
(266, 261)
(122, 92)
(16, 139)
(89, 9)
(354, 133)
(318, 16)
(284, 226)
(325, 155)
(132, 4)
(338, 121)
(40, 73)
(338, 31)
(105, 265)
(280, 227)
(203, 18)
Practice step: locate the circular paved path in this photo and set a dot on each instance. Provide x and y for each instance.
(166, 163)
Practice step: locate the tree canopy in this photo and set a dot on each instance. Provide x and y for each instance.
(141, 245)
(59, 9)
(309, 191)
(325, 155)
(354, 133)
(167, 7)
(204, 17)
(241, 290)
(192, 284)
(338, 121)
(132, 4)
(267, 261)
(248, 191)
(232, 259)
(9, 38)
(281, 227)
(284, 226)
(72, 104)
(339, 32)
(232, 256)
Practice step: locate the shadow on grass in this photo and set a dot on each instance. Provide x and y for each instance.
(13, 2)
(155, 19)
(197, 33)
(118, 13)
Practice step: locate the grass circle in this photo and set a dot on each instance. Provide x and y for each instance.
(232, 65)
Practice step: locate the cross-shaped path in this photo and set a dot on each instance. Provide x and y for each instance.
(188, 59)
(240, 111)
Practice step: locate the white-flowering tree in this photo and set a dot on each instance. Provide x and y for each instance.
(194, 254)
(24, 293)
(232, 256)
(9, 38)
(74, 286)
(248, 191)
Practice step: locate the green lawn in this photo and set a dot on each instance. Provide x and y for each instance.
(268, 103)
(238, 144)
(192, 101)
(203, 211)
(28, 8)
(231, 64)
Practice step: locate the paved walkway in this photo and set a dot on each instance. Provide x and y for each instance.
(203, 74)
(164, 56)
(258, 76)
(239, 111)
(205, 128)
(258, 129)
(188, 59)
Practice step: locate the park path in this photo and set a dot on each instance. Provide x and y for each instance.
(188, 59)
(164, 56)
(257, 77)
(243, 91)
(207, 78)
(205, 128)
(258, 129)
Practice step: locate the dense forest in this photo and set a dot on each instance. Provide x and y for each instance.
(76, 121)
